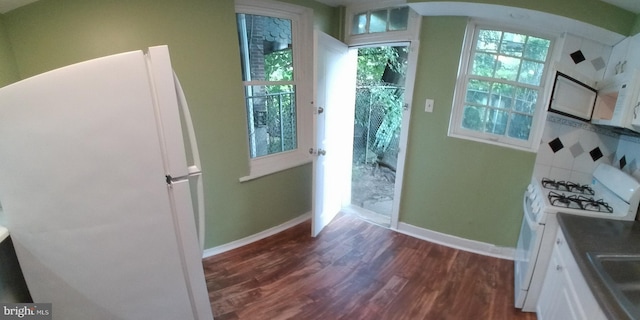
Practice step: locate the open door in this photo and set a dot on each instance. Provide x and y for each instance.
(335, 82)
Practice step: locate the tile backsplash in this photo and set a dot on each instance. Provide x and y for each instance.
(571, 149)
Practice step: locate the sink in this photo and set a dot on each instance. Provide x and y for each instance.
(621, 275)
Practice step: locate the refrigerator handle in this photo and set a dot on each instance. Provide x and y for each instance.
(200, 222)
(195, 169)
(184, 107)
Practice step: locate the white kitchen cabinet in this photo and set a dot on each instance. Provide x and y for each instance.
(617, 57)
(624, 56)
(565, 294)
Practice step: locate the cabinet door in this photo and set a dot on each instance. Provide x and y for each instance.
(618, 55)
(565, 294)
(556, 298)
(631, 58)
(548, 303)
(570, 298)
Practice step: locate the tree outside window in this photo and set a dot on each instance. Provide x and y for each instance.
(504, 83)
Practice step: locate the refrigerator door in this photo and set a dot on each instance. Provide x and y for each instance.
(167, 111)
(180, 197)
(82, 185)
(182, 158)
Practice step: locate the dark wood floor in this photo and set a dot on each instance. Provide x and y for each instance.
(357, 270)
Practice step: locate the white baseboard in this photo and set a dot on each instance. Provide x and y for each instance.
(478, 247)
(255, 237)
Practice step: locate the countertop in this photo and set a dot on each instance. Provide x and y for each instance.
(4, 233)
(586, 234)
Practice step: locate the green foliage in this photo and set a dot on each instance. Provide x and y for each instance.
(496, 103)
(278, 65)
(376, 97)
(280, 101)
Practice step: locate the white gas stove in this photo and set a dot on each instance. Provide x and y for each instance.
(612, 194)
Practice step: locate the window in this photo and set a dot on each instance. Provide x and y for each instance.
(275, 47)
(380, 20)
(500, 89)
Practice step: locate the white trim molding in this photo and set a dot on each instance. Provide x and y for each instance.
(255, 237)
(455, 242)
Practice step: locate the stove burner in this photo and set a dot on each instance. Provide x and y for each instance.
(567, 186)
(578, 202)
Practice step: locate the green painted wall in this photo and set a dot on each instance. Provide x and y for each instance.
(327, 18)
(8, 68)
(636, 26)
(463, 188)
(595, 12)
(459, 187)
(202, 37)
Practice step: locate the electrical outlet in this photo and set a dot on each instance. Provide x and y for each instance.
(428, 105)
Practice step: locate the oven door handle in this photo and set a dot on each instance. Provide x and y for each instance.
(529, 216)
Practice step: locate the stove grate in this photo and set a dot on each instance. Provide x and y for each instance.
(567, 186)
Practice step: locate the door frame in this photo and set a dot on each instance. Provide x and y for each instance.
(412, 61)
(411, 36)
(409, 86)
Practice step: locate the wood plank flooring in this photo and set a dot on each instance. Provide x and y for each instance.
(357, 270)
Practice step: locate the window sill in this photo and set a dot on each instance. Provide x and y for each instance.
(533, 149)
(260, 172)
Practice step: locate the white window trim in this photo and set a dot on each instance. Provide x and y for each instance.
(455, 128)
(302, 36)
(411, 34)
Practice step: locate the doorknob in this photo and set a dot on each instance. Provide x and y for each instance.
(320, 152)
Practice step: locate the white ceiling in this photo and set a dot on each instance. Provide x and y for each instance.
(630, 5)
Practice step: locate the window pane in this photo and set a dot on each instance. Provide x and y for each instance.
(271, 114)
(478, 92)
(473, 118)
(359, 23)
(531, 72)
(496, 122)
(378, 21)
(520, 126)
(488, 41)
(503, 81)
(265, 48)
(526, 100)
(398, 18)
(502, 95)
(537, 49)
(512, 44)
(507, 68)
(484, 64)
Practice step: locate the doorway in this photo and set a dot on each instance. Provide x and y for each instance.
(335, 122)
(379, 106)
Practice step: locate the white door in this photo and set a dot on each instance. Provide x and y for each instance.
(335, 80)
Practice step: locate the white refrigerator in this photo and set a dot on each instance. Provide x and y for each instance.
(101, 191)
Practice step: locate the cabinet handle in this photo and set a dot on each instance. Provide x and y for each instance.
(559, 242)
(558, 267)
